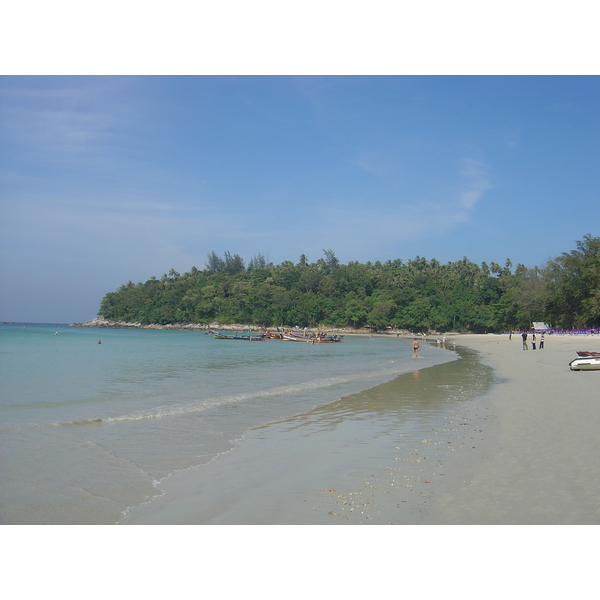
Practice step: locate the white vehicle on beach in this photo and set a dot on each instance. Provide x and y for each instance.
(585, 363)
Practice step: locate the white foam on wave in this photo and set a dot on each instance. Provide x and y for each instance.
(173, 411)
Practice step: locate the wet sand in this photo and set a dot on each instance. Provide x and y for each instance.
(507, 438)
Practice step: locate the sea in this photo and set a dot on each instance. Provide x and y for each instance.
(92, 420)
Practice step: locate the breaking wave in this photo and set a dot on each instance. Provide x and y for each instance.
(198, 407)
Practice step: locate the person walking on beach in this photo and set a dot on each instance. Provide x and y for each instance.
(533, 341)
(542, 341)
(524, 336)
(415, 347)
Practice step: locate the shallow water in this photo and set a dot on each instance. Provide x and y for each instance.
(88, 430)
(364, 458)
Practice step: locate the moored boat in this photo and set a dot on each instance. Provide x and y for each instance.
(585, 363)
(273, 335)
(286, 337)
(328, 339)
(313, 340)
(226, 336)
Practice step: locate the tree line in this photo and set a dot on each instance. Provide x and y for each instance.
(416, 295)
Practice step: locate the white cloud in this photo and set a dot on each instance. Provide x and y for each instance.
(69, 123)
(439, 205)
(360, 228)
(371, 163)
(476, 183)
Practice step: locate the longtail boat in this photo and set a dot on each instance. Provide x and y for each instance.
(274, 335)
(225, 336)
(286, 337)
(313, 340)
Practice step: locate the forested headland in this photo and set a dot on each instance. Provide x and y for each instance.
(417, 295)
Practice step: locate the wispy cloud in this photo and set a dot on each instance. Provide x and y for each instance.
(476, 183)
(371, 163)
(376, 223)
(68, 132)
(76, 124)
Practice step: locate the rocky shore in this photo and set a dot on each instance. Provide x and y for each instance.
(112, 324)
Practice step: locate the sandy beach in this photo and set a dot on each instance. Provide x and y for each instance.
(538, 461)
(524, 451)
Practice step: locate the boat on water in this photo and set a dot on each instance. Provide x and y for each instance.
(587, 353)
(585, 363)
(226, 336)
(285, 336)
(273, 335)
(314, 340)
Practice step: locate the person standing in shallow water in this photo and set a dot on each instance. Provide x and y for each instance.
(524, 336)
(415, 347)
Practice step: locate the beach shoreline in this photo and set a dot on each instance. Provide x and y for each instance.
(522, 452)
(538, 462)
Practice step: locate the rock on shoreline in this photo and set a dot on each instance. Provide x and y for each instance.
(112, 324)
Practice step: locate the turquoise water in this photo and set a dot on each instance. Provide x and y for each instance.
(88, 430)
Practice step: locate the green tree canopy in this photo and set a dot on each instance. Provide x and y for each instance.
(418, 295)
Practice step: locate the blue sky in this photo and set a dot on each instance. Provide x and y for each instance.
(105, 179)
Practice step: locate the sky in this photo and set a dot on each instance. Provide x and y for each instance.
(106, 179)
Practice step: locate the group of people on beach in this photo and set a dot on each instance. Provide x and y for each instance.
(533, 341)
